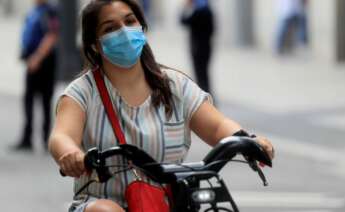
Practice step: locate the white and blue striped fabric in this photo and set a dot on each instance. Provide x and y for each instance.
(166, 140)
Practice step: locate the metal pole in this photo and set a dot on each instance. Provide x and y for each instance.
(8, 7)
(244, 30)
(68, 54)
(340, 31)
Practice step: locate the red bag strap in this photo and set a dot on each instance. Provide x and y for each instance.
(108, 106)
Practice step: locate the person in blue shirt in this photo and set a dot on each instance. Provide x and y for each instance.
(39, 38)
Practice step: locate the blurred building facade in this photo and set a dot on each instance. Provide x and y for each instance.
(326, 20)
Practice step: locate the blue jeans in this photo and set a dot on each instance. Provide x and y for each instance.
(296, 26)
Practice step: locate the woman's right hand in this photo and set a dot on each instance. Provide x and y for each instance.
(72, 163)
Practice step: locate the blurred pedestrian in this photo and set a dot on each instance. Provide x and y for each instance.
(292, 24)
(39, 38)
(198, 17)
(146, 5)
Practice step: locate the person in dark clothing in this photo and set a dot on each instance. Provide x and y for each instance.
(39, 37)
(146, 5)
(198, 17)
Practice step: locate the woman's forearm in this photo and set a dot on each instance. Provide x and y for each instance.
(225, 128)
(60, 144)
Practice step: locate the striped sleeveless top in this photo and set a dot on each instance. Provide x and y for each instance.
(166, 140)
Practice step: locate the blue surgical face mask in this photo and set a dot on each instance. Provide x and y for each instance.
(123, 47)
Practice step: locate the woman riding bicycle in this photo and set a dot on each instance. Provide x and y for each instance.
(157, 107)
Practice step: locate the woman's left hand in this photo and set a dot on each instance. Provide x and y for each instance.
(266, 145)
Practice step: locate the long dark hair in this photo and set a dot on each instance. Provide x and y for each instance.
(159, 82)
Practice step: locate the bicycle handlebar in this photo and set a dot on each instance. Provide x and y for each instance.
(186, 176)
(214, 161)
(229, 147)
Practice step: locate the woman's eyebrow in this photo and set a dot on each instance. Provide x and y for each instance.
(129, 14)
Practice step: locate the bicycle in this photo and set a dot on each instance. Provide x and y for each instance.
(186, 179)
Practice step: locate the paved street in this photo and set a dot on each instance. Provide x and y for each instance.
(296, 101)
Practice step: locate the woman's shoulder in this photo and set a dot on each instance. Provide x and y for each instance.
(84, 79)
(177, 80)
(80, 89)
(82, 85)
(176, 77)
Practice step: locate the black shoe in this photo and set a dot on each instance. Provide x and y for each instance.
(45, 147)
(22, 147)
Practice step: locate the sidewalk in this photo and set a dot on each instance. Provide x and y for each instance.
(295, 88)
(12, 69)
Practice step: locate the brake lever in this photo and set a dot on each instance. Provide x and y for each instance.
(254, 165)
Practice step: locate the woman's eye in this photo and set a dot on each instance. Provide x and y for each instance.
(108, 29)
(131, 21)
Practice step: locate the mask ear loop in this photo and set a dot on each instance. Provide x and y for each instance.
(99, 51)
(93, 47)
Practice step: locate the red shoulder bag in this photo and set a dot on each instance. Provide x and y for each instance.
(140, 196)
